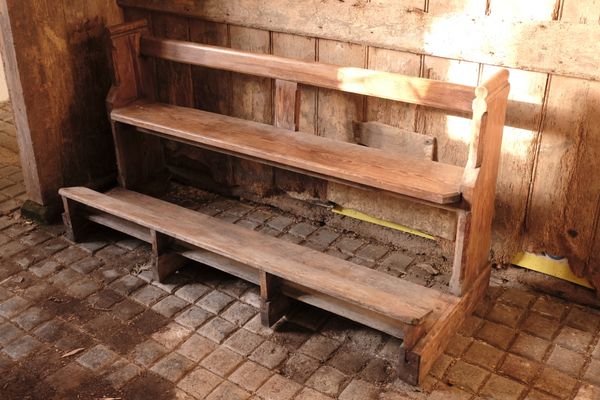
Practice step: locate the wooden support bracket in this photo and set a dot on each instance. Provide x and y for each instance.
(273, 305)
(164, 260)
(76, 224)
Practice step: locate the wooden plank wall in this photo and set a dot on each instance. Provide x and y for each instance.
(548, 195)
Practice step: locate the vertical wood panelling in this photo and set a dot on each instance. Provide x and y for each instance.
(302, 48)
(523, 118)
(337, 110)
(252, 100)
(563, 216)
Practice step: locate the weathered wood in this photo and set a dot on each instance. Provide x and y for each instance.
(395, 140)
(302, 48)
(457, 35)
(75, 223)
(164, 260)
(273, 304)
(348, 78)
(416, 363)
(330, 159)
(479, 190)
(287, 105)
(252, 100)
(406, 302)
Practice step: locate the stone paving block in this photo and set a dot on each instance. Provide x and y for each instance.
(574, 339)
(126, 284)
(239, 313)
(129, 243)
(110, 252)
(196, 348)
(217, 329)
(68, 378)
(395, 263)
(122, 372)
(148, 352)
(91, 245)
(53, 246)
(31, 318)
(169, 306)
(324, 236)
(320, 347)
(259, 215)
(192, 292)
(65, 278)
(250, 376)
(82, 288)
(252, 297)
(104, 299)
(555, 382)
(248, 224)
(519, 368)
(458, 345)
(280, 222)
(592, 372)
(199, 383)
(86, 265)
(379, 371)
(8, 333)
(566, 360)
(302, 229)
(540, 326)
(172, 367)
(127, 309)
(228, 391)
(466, 376)
(97, 358)
(69, 255)
(311, 394)
(349, 360)
(358, 389)
(215, 301)
(596, 352)
(269, 354)
(583, 319)
(549, 306)
(299, 367)
(530, 347)
(502, 388)
(327, 380)
(505, 314)
(234, 287)
(11, 248)
(12, 306)
(349, 244)
(171, 335)
(193, 317)
(517, 297)
(278, 388)
(291, 335)
(35, 237)
(243, 342)
(255, 326)
(587, 391)
(497, 335)
(148, 295)
(222, 361)
(372, 252)
(108, 273)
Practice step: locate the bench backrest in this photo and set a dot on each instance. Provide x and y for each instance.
(132, 46)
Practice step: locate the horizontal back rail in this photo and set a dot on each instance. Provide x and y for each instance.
(392, 86)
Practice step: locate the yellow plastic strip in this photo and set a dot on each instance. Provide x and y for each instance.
(367, 218)
(557, 268)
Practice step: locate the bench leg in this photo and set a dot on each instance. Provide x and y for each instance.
(273, 304)
(164, 262)
(76, 224)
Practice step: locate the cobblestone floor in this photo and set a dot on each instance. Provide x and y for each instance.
(85, 321)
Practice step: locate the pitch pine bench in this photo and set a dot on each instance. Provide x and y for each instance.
(424, 318)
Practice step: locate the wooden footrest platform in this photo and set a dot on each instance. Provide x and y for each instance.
(282, 269)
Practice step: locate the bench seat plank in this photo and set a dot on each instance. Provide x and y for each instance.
(404, 301)
(331, 159)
